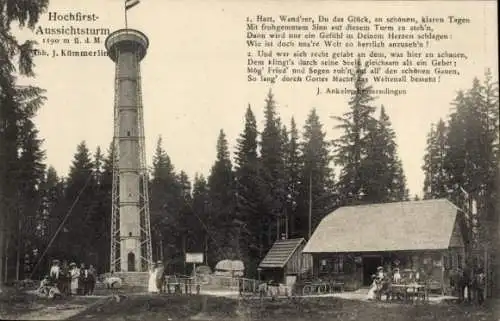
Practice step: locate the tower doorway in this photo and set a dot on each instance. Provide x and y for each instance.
(131, 262)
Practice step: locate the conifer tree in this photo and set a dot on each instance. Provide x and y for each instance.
(351, 149)
(186, 218)
(248, 203)
(293, 170)
(50, 214)
(434, 162)
(385, 180)
(75, 236)
(201, 212)
(222, 204)
(30, 174)
(17, 104)
(101, 215)
(317, 175)
(165, 206)
(272, 173)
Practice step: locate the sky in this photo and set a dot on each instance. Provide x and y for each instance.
(194, 78)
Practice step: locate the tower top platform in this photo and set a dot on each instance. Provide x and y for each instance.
(126, 40)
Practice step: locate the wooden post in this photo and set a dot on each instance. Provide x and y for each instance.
(310, 205)
(6, 262)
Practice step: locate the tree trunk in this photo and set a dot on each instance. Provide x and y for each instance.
(184, 250)
(18, 250)
(206, 249)
(161, 249)
(3, 213)
(496, 238)
(6, 262)
(2, 237)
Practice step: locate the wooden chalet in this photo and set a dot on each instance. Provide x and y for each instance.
(285, 262)
(351, 242)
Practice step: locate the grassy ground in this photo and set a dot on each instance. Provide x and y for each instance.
(147, 307)
(16, 304)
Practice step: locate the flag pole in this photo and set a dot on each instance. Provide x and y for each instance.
(125, 11)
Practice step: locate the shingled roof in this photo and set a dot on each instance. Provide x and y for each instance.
(417, 225)
(280, 253)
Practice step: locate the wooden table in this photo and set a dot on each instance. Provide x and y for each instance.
(415, 290)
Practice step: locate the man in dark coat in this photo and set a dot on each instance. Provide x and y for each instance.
(82, 281)
(65, 278)
(160, 276)
(92, 277)
(479, 285)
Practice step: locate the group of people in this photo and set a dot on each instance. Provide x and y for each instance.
(470, 284)
(382, 280)
(68, 279)
(156, 278)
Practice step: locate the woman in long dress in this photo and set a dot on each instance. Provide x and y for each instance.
(152, 288)
(373, 290)
(75, 275)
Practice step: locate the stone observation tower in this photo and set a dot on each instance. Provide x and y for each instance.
(130, 221)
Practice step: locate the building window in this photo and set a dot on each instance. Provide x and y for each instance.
(332, 265)
(323, 266)
(128, 133)
(338, 264)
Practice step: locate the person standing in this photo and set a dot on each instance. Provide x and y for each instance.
(86, 281)
(65, 278)
(467, 283)
(152, 280)
(82, 281)
(396, 278)
(55, 272)
(380, 273)
(479, 280)
(92, 277)
(160, 276)
(75, 275)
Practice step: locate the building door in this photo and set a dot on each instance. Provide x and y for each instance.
(370, 264)
(131, 262)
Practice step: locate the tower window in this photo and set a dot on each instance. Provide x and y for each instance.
(128, 133)
(129, 233)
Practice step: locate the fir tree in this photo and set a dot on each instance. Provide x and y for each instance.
(351, 149)
(434, 162)
(80, 191)
(272, 173)
(221, 191)
(293, 170)
(50, 214)
(247, 191)
(30, 174)
(186, 217)
(101, 215)
(383, 172)
(202, 214)
(317, 175)
(17, 104)
(165, 207)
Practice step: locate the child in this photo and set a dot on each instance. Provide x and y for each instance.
(54, 292)
(397, 276)
(44, 286)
